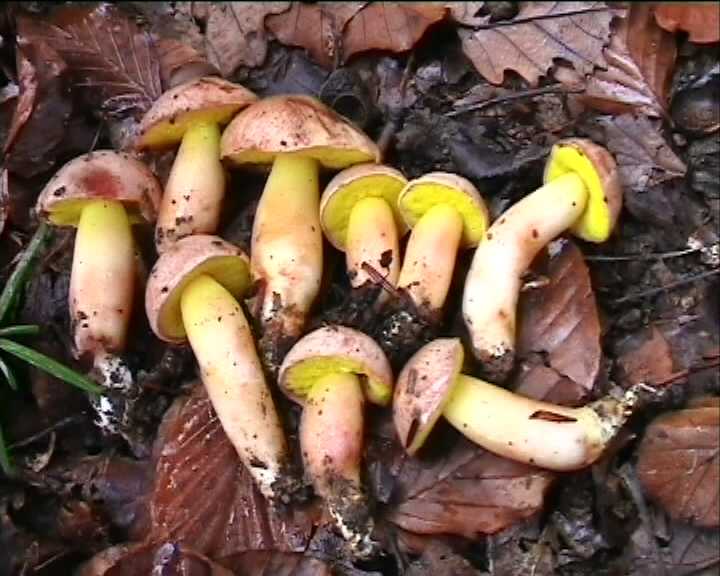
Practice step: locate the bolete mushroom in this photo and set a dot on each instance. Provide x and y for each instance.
(190, 114)
(507, 424)
(296, 135)
(102, 194)
(582, 193)
(192, 294)
(359, 215)
(446, 213)
(330, 372)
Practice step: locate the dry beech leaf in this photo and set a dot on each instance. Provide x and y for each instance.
(465, 12)
(203, 496)
(235, 32)
(560, 321)
(651, 362)
(316, 27)
(643, 156)
(700, 19)
(540, 33)
(679, 464)
(395, 27)
(640, 64)
(110, 57)
(175, 56)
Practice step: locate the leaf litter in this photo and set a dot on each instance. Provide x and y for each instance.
(467, 510)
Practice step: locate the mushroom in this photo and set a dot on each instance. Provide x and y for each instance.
(507, 424)
(358, 213)
(297, 135)
(582, 192)
(102, 193)
(191, 294)
(190, 114)
(446, 213)
(330, 372)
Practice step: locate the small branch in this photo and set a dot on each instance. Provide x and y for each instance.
(530, 93)
(671, 286)
(527, 20)
(649, 256)
(52, 428)
(378, 278)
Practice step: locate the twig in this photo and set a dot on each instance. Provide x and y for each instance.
(531, 93)
(396, 115)
(52, 428)
(648, 256)
(671, 286)
(712, 362)
(378, 278)
(527, 20)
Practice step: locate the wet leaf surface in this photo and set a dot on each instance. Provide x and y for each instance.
(540, 33)
(700, 19)
(679, 463)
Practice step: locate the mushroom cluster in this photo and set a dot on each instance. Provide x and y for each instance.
(196, 291)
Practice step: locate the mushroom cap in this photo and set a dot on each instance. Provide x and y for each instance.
(336, 349)
(597, 169)
(299, 125)
(423, 388)
(350, 186)
(184, 261)
(206, 99)
(434, 188)
(100, 175)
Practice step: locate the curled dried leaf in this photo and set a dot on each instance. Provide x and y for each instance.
(701, 20)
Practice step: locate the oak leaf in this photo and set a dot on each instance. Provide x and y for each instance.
(700, 19)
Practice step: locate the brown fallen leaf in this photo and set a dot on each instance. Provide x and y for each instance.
(560, 321)
(112, 60)
(4, 198)
(693, 549)
(176, 57)
(540, 33)
(700, 19)
(316, 27)
(465, 12)
(203, 497)
(650, 362)
(235, 32)
(643, 156)
(266, 563)
(679, 464)
(640, 64)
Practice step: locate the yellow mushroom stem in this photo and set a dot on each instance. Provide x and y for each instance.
(231, 372)
(331, 439)
(195, 188)
(430, 255)
(102, 281)
(545, 435)
(372, 238)
(287, 250)
(494, 280)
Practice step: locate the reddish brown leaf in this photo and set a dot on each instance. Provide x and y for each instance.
(235, 32)
(175, 58)
(650, 362)
(203, 496)
(466, 492)
(679, 464)
(540, 33)
(536, 380)
(111, 58)
(316, 27)
(643, 156)
(395, 27)
(641, 60)
(560, 321)
(700, 19)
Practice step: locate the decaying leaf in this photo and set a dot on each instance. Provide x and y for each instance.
(465, 12)
(110, 57)
(316, 27)
(640, 62)
(467, 492)
(679, 463)
(203, 496)
(560, 322)
(267, 563)
(650, 362)
(700, 19)
(693, 549)
(175, 57)
(235, 32)
(643, 156)
(540, 33)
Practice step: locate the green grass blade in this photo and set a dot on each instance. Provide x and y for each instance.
(20, 330)
(9, 376)
(52, 367)
(15, 284)
(5, 461)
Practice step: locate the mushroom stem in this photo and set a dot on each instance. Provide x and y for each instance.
(231, 372)
(195, 188)
(430, 256)
(287, 245)
(493, 281)
(545, 435)
(372, 237)
(331, 438)
(102, 278)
